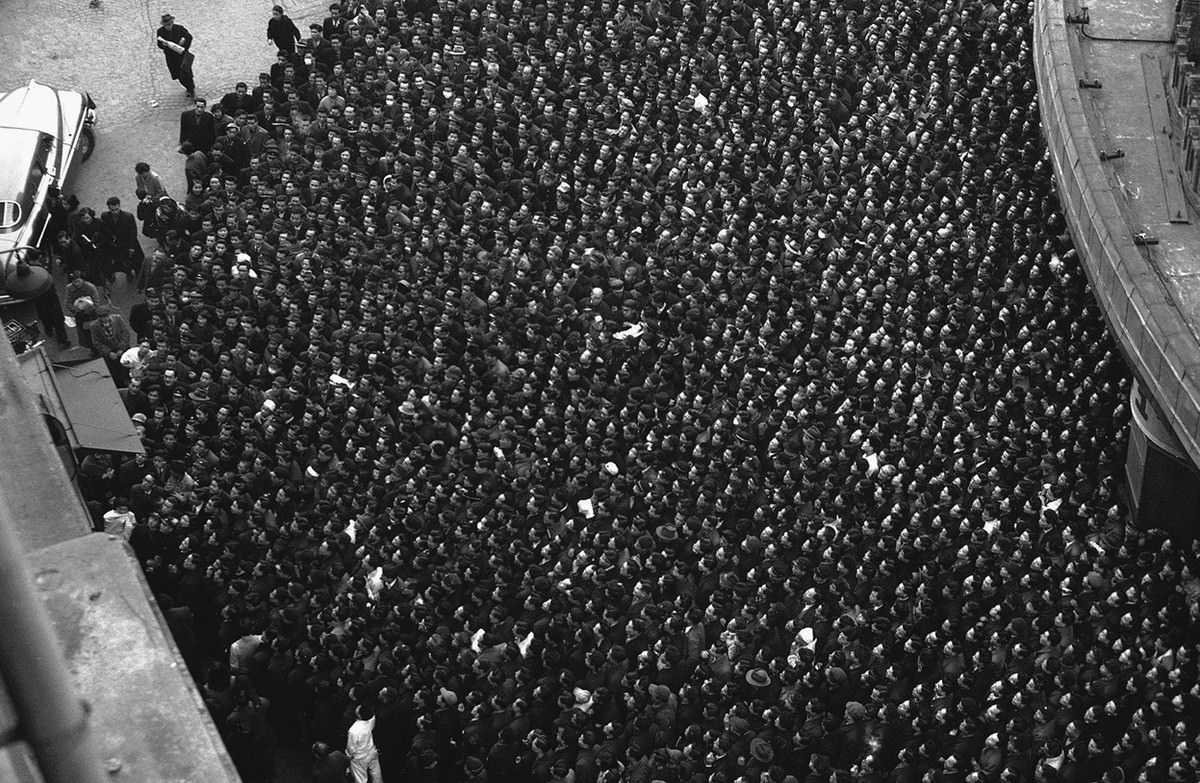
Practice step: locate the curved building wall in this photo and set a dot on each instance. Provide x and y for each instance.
(1154, 335)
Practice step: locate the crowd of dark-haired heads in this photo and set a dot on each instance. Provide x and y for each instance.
(667, 391)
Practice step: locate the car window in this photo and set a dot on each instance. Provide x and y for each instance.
(24, 163)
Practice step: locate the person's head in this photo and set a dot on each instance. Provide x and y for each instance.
(141, 168)
(168, 21)
(364, 712)
(114, 204)
(201, 104)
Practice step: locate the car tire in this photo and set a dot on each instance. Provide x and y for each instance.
(87, 144)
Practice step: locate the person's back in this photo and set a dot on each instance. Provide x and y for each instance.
(329, 765)
(390, 727)
(243, 649)
(360, 746)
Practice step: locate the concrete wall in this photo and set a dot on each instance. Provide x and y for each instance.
(1152, 332)
(147, 719)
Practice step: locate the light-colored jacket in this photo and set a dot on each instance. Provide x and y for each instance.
(152, 184)
(110, 334)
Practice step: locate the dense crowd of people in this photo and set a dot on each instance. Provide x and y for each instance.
(684, 392)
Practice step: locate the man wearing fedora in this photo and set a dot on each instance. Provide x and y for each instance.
(176, 43)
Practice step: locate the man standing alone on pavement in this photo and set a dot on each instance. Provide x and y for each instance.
(176, 43)
(360, 746)
(282, 31)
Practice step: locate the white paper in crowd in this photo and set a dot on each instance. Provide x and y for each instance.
(523, 644)
(991, 525)
(477, 640)
(375, 583)
(338, 380)
(586, 508)
(637, 330)
(132, 357)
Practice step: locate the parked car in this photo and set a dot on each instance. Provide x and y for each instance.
(44, 132)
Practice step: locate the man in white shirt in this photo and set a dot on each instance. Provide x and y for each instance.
(120, 520)
(360, 746)
(242, 651)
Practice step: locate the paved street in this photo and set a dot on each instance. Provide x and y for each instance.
(109, 51)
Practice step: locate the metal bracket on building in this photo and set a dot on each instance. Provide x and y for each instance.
(1115, 152)
(1079, 17)
(1142, 238)
(1091, 84)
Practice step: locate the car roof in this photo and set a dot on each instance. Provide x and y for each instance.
(39, 107)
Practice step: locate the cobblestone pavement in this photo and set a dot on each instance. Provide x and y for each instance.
(108, 50)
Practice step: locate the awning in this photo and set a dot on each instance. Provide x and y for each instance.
(84, 400)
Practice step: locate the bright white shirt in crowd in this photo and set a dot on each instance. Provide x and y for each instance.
(360, 740)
